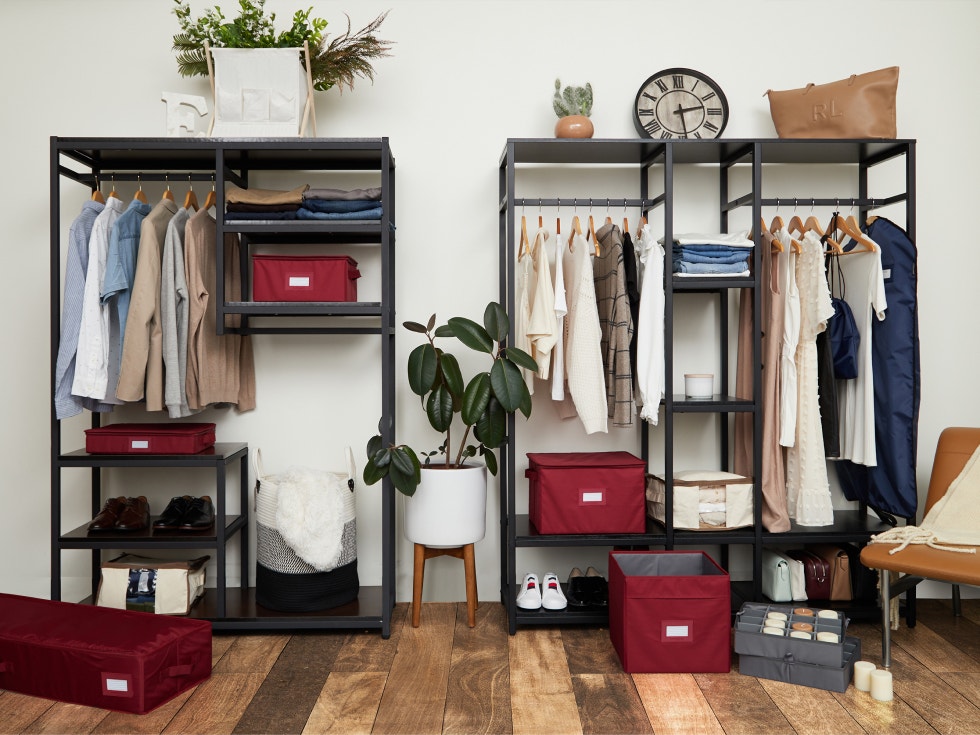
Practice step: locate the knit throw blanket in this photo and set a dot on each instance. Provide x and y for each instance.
(954, 519)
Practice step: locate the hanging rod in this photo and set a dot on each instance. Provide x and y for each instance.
(593, 202)
(869, 203)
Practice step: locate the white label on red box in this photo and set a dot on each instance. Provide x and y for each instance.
(592, 497)
(140, 444)
(299, 281)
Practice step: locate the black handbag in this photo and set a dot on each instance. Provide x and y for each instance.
(845, 339)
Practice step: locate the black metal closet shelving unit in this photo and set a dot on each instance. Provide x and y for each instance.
(89, 161)
(657, 160)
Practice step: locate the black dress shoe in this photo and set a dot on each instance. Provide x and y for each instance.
(108, 516)
(199, 514)
(173, 514)
(598, 588)
(135, 515)
(576, 591)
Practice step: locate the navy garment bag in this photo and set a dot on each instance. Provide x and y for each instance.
(891, 485)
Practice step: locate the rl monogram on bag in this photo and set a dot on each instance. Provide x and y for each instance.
(861, 106)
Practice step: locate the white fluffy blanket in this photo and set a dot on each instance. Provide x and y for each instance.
(954, 519)
(313, 508)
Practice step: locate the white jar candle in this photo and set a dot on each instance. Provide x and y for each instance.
(862, 675)
(881, 685)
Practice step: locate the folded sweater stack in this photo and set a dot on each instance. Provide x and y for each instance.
(698, 254)
(262, 204)
(341, 204)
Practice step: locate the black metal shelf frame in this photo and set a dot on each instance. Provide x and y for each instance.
(92, 161)
(644, 155)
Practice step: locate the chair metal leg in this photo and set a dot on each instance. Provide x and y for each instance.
(957, 610)
(886, 623)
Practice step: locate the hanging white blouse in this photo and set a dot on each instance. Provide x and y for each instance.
(650, 326)
(542, 326)
(791, 337)
(561, 309)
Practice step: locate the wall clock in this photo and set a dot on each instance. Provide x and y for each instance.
(680, 103)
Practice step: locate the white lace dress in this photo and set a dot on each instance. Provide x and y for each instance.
(806, 464)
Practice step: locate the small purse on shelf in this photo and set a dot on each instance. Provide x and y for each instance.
(861, 106)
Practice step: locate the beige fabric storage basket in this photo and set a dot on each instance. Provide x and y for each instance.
(704, 500)
(164, 586)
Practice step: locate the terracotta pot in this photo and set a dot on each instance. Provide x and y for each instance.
(574, 126)
(449, 507)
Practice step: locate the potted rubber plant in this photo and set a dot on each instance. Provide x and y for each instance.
(573, 105)
(446, 487)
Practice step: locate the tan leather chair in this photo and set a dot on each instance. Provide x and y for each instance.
(918, 561)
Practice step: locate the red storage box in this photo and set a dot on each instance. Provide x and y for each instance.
(189, 438)
(304, 278)
(669, 612)
(587, 492)
(114, 659)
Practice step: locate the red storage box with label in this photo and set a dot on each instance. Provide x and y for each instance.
(669, 612)
(586, 492)
(114, 659)
(189, 438)
(304, 278)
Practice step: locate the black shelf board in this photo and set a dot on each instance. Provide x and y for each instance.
(242, 612)
(636, 151)
(176, 154)
(304, 308)
(716, 404)
(310, 232)
(849, 525)
(683, 537)
(527, 535)
(568, 616)
(220, 453)
(82, 538)
(710, 284)
(866, 610)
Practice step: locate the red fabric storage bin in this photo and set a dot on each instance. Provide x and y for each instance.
(189, 438)
(586, 492)
(96, 656)
(669, 612)
(304, 278)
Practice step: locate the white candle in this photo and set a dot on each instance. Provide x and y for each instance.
(769, 630)
(828, 637)
(776, 615)
(800, 634)
(881, 685)
(862, 675)
(775, 623)
(828, 614)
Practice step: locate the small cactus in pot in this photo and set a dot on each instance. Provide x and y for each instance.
(573, 105)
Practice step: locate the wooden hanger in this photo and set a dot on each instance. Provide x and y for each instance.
(795, 225)
(525, 246)
(190, 199)
(114, 193)
(167, 193)
(576, 230)
(211, 199)
(626, 225)
(849, 226)
(595, 240)
(812, 224)
(97, 193)
(777, 224)
(773, 240)
(139, 191)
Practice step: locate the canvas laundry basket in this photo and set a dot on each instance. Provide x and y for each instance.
(306, 538)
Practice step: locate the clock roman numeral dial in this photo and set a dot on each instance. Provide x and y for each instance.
(652, 127)
(714, 110)
(643, 112)
(679, 103)
(711, 126)
(708, 96)
(650, 97)
(662, 85)
(678, 81)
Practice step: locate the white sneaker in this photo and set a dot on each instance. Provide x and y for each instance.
(530, 594)
(552, 598)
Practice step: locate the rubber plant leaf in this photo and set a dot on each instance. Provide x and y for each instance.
(422, 368)
(471, 334)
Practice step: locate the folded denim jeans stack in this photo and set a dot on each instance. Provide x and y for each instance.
(341, 204)
(698, 254)
(256, 205)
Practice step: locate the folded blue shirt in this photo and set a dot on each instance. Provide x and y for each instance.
(711, 250)
(682, 266)
(699, 258)
(340, 205)
(304, 213)
(257, 216)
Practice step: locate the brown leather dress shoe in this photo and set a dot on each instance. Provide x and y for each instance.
(135, 515)
(108, 516)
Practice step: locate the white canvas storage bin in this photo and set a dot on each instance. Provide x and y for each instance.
(146, 584)
(704, 500)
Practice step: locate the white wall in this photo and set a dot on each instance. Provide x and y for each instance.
(463, 78)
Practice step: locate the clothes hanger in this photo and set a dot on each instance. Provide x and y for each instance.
(775, 244)
(97, 193)
(849, 226)
(190, 199)
(114, 193)
(525, 247)
(167, 193)
(795, 223)
(212, 198)
(595, 240)
(626, 219)
(139, 191)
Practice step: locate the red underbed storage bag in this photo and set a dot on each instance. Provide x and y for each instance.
(669, 612)
(586, 492)
(304, 278)
(189, 438)
(96, 656)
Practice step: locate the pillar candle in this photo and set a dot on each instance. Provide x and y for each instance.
(881, 685)
(862, 675)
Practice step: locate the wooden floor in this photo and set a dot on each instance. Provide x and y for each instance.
(447, 678)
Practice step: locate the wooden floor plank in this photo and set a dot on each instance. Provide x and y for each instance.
(251, 654)
(742, 705)
(608, 704)
(542, 698)
(961, 632)
(414, 699)
(966, 684)
(217, 705)
(589, 651)
(675, 705)
(152, 723)
(368, 651)
(284, 701)
(347, 704)
(67, 719)
(811, 711)
(478, 693)
(18, 711)
(220, 645)
(933, 651)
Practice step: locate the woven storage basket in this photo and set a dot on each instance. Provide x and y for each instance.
(287, 581)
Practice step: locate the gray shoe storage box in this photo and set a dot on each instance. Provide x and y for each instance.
(834, 679)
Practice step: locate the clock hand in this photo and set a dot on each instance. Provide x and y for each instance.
(680, 111)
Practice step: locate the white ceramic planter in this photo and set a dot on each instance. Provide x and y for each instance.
(449, 507)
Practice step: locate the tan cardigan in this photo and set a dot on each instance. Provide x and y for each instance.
(219, 369)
